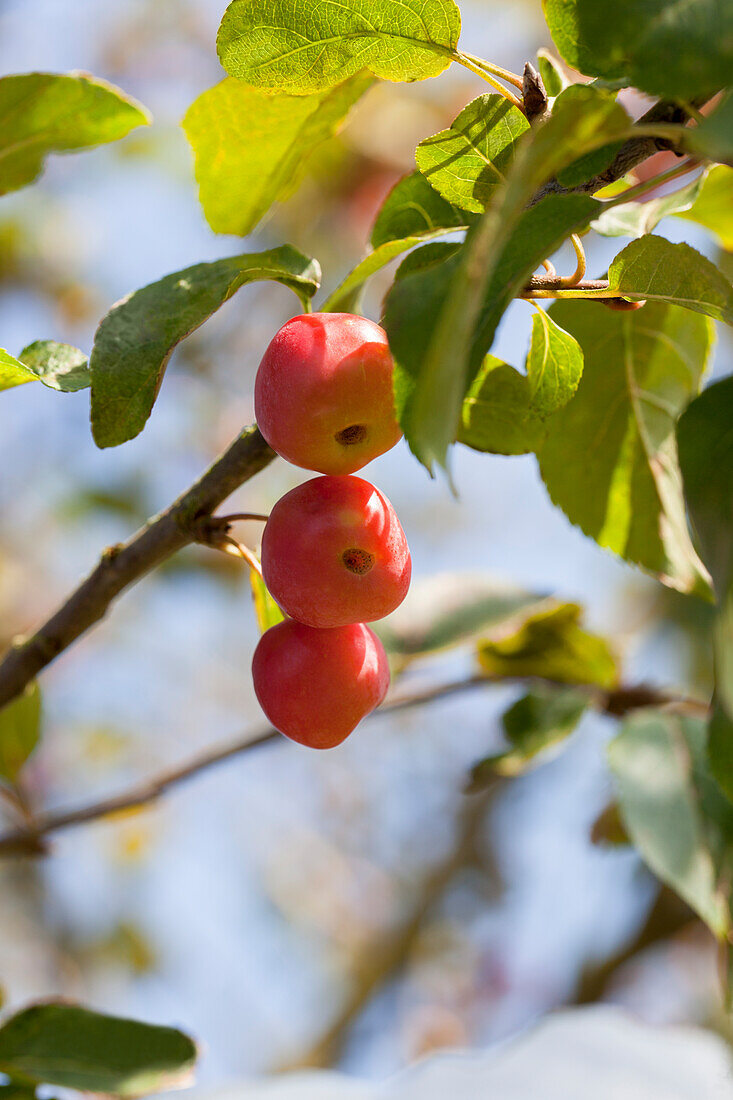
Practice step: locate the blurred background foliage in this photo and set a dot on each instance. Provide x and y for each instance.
(355, 907)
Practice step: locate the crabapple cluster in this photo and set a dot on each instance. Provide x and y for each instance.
(334, 555)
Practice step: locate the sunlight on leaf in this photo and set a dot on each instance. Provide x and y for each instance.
(42, 113)
(251, 149)
(300, 47)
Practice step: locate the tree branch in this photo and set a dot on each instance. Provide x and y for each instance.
(121, 566)
(29, 840)
(631, 153)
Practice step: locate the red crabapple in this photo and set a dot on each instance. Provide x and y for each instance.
(315, 686)
(323, 393)
(334, 552)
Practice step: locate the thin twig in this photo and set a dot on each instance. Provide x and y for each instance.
(473, 66)
(121, 566)
(580, 267)
(29, 840)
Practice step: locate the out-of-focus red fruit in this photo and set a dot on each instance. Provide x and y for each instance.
(315, 686)
(323, 393)
(334, 552)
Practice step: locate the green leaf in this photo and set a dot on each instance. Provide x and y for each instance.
(297, 46)
(135, 340)
(501, 252)
(59, 366)
(251, 149)
(551, 72)
(713, 205)
(20, 731)
(63, 1044)
(42, 113)
(540, 720)
(551, 645)
(636, 219)
(676, 48)
(345, 298)
(266, 610)
(450, 609)
(672, 810)
(434, 382)
(467, 162)
(497, 414)
(15, 1091)
(411, 308)
(610, 457)
(705, 440)
(554, 365)
(713, 138)
(13, 372)
(653, 268)
(413, 207)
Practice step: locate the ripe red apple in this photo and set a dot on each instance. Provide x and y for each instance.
(323, 393)
(315, 686)
(334, 552)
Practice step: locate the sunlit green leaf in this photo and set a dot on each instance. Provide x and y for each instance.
(42, 113)
(554, 365)
(713, 205)
(297, 46)
(135, 340)
(20, 731)
(610, 457)
(267, 611)
(251, 148)
(653, 268)
(345, 298)
(673, 812)
(676, 48)
(551, 72)
(13, 372)
(63, 1044)
(636, 219)
(497, 414)
(552, 645)
(413, 207)
(467, 162)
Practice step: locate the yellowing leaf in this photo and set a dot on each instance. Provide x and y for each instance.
(267, 611)
(551, 645)
(20, 730)
(251, 149)
(42, 113)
